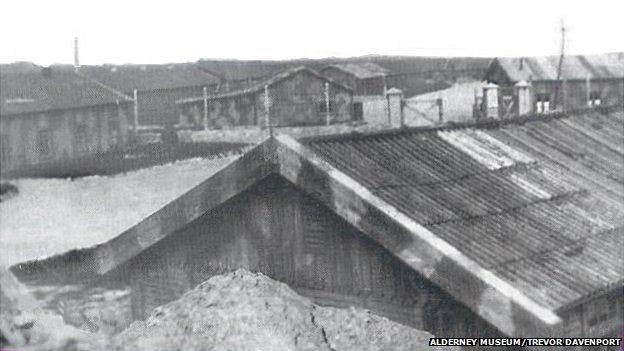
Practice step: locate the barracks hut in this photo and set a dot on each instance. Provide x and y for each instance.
(575, 82)
(155, 87)
(49, 116)
(294, 97)
(480, 229)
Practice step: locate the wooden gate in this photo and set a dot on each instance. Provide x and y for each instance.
(423, 111)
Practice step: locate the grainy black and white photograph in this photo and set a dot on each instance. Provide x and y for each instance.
(311, 175)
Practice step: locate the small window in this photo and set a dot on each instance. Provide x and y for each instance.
(45, 145)
(542, 103)
(594, 99)
(82, 145)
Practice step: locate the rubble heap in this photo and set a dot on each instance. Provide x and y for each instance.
(26, 325)
(249, 311)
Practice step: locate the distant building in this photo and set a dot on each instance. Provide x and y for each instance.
(366, 78)
(295, 97)
(157, 86)
(48, 116)
(581, 81)
(368, 81)
(240, 74)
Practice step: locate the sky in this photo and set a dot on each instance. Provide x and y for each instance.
(159, 31)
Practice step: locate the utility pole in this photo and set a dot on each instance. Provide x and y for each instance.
(559, 68)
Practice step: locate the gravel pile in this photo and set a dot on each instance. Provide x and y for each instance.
(249, 311)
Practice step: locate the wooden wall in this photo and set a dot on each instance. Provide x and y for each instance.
(102, 127)
(158, 107)
(276, 230)
(295, 101)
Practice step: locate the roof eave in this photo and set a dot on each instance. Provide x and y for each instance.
(236, 176)
(493, 299)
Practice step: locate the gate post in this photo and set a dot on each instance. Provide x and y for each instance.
(490, 100)
(522, 92)
(394, 98)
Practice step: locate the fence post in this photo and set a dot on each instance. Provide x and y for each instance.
(205, 121)
(327, 104)
(394, 98)
(490, 100)
(267, 112)
(135, 119)
(588, 90)
(522, 93)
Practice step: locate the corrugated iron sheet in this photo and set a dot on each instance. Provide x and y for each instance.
(35, 92)
(362, 70)
(607, 66)
(540, 203)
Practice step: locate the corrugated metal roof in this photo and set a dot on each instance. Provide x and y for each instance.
(33, 92)
(362, 70)
(126, 78)
(540, 203)
(259, 86)
(607, 66)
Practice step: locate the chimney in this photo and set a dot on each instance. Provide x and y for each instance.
(521, 63)
(76, 60)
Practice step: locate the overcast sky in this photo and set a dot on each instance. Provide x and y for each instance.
(118, 31)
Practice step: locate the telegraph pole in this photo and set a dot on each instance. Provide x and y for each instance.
(559, 95)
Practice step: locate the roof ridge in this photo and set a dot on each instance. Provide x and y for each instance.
(477, 124)
(258, 86)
